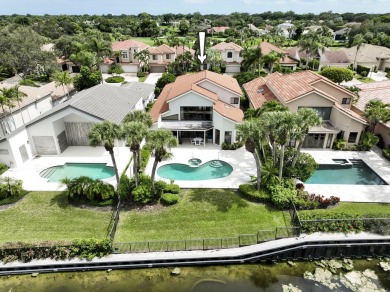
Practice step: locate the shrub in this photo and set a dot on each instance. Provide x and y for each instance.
(244, 77)
(3, 168)
(145, 155)
(369, 140)
(124, 188)
(149, 106)
(172, 188)
(314, 64)
(141, 74)
(282, 195)
(378, 226)
(28, 82)
(169, 199)
(249, 192)
(234, 146)
(348, 223)
(115, 79)
(116, 69)
(361, 70)
(339, 144)
(160, 186)
(304, 168)
(143, 194)
(11, 188)
(386, 153)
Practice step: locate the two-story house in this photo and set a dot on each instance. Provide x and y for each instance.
(284, 61)
(205, 105)
(160, 57)
(308, 89)
(124, 55)
(231, 55)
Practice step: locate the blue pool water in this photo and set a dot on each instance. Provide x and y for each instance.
(210, 170)
(356, 173)
(73, 170)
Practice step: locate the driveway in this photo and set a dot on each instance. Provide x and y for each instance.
(153, 77)
(129, 77)
(378, 76)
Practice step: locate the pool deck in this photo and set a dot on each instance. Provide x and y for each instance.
(241, 160)
(354, 193)
(32, 181)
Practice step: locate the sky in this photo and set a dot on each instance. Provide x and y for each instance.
(157, 7)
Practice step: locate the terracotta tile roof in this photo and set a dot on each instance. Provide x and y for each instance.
(228, 111)
(228, 46)
(161, 106)
(108, 61)
(267, 48)
(258, 92)
(373, 91)
(296, 53)
(218, 29)
(126, 45)
(179, 50)
(163, 49)
(154, 51)
(186, 83)
(367, 53)
(334, 57)
(350, 113)
(287, 60)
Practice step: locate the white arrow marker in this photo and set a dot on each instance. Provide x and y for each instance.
(202, 57)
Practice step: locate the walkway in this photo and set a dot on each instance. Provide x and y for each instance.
(152, 78)
(354, 193)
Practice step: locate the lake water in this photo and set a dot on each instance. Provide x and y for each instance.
(253, 277)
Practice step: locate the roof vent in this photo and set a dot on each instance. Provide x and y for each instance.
(260, 90)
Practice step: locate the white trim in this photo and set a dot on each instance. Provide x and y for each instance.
(193, 91)
(351, 116)
(219, 85)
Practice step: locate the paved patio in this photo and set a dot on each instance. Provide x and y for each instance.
(241, 160)
(354, 193)
(32, 181)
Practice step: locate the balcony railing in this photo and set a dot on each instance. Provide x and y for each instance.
(186, 125)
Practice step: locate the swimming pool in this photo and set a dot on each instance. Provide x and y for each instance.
(73, 170)
(352, 172)
(210, 170)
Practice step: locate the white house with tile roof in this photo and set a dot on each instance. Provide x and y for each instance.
(160, 57)
(369, 56)
(69, 123)
(308, 89)
(204, 105)
(231, 54)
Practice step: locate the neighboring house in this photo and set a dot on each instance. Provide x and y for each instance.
(296, 53)
(124, 55)
(333, 58)
(37, 101)
(231, 55)
(287, 28)
(69, 123)
(217, 29)
(341, 35)
(284, 61)
(370, 56)
(204, 105)
(315, 28)
(145, 89)
(374, 91)
(67, 65)
(308, 89)
(259, 31)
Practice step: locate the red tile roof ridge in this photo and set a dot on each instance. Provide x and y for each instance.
(160, 106)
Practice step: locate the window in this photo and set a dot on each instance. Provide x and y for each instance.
(352, 137)
(240, 54)
(324, 112)
(329, 142)
(346, 100)
(167, 56)
(154, 57)
(204, 66)
(125, 55)
(228, 137)
(234, 100)
(340, 135)
(230, 55)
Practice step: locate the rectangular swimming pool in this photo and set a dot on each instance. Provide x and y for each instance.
(354, 173)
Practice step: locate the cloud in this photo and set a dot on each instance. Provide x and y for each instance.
(198, 1)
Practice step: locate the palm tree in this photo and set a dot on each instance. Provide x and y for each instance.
(158, 142)
(134, 133)
(3, 102)
(214, 58)
(358, 41)
(101, 48)
(63, 79)
(268, 106)
(17, 96)
(143, 57)
(271, 58)
(306, 118)
(8, 100)
(250, 132)
(253, 58)
(106, 133)
(138, 116)
(305, 43)
(376, 111)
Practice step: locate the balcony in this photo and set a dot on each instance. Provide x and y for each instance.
(186, 125)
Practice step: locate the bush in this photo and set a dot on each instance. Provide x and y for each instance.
(244, 77)
(145, 155)
(116, 69)
(282, 195)
(28, 82)
(149, 106)
(160, 186)
(234, 146)
(249, 192)
(348, 223)
(169, 199)
(143, 194)
(363, 71)
(3, 168)
(386, 153)
(141, 74)
(339, 144)
(124, 188)
(172, 188)
(369, 140)
(314, 63)
(11, 189)
(115, 79)
(304, 168)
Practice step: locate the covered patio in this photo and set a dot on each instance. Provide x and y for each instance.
(321, 136)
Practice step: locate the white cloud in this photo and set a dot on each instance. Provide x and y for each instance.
(198, 1)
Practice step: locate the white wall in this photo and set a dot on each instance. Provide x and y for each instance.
(345, 123)
(222, 93)
(310, 100)
(223, 124)
(189, 99)
(235, 56)
(12, 144)
(6, 158)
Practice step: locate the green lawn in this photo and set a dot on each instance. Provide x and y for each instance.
(145, 40)
(44, 216)
(200, 213)
(142, 79)
(354, 208)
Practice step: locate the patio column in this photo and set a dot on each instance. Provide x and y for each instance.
(204, 138)
(177, 137)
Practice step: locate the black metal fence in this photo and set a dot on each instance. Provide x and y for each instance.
(114, 222)
(205, 243)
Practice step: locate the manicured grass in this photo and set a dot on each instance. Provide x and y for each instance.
(200, 213)
(142, 79)
(44, 216)
(144, 40)
(364, 79)
(354, 209)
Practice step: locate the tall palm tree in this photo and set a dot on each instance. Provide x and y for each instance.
(143, 57)
(271, 59)
(3, 102)
(158, 142)
(8, 100)
(63, 79)
(17, 96)
(134, 133)
(106, 133)
(376, 111)
(101, 48)
(358, 41)
(250, 132)
(253, 58)
(305, 43)
(306, 118)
